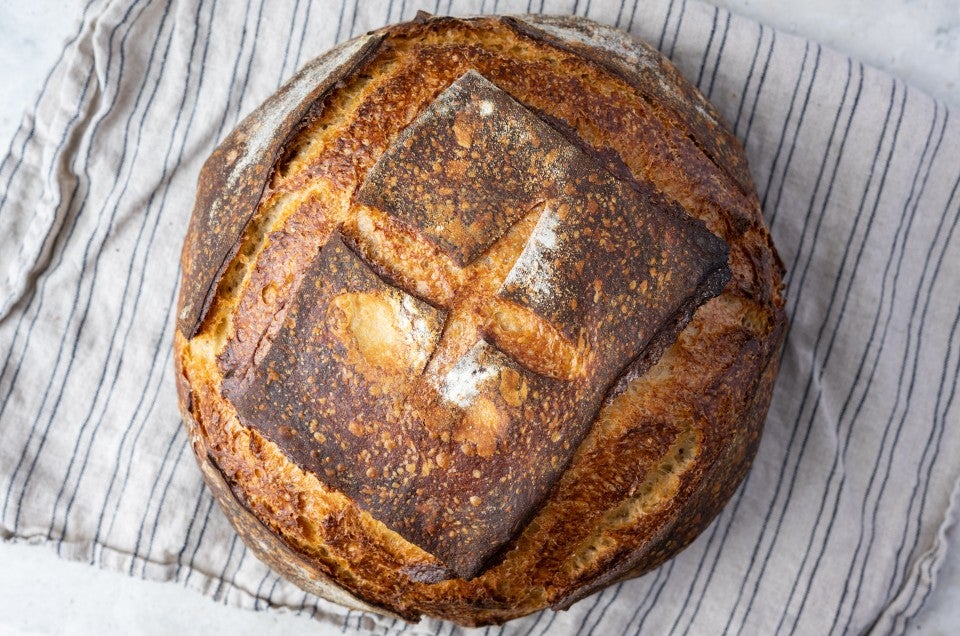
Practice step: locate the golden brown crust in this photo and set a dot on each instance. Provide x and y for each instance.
(667, 447)
(453, 462)
(233, 177)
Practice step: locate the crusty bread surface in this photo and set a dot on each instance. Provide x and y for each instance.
(620, 442)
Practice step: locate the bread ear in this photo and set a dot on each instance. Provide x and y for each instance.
(235, 175)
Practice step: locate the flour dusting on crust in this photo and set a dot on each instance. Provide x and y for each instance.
(293, 93)
(534, 267)
(631, 52)
(462, 384)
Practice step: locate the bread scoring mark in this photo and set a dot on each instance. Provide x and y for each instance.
(536, 262)
(451, 180)
(530, 256)
(232, 182)
(459, 175)
(261, 132)
(401, 257)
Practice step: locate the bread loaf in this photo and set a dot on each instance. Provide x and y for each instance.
(478, 316)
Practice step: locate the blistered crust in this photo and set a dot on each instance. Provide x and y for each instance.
(456, 456)
(685, 428)
(653, 76)
(233, 178)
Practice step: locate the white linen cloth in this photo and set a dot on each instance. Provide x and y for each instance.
(838, 527)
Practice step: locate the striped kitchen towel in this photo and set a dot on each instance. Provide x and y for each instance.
(839, 526)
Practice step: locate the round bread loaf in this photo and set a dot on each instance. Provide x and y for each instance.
(478, 316)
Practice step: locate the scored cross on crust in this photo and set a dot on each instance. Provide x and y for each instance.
(456, 336)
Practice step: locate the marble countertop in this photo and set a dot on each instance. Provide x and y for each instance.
(918, 40)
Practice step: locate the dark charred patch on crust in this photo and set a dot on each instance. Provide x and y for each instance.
(428, 178)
